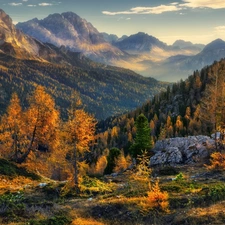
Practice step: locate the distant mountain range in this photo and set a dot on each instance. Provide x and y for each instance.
(105, 90)
(140, 52)
(179, 64)
(69, 30)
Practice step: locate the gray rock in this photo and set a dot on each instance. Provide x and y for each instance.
(179, 150)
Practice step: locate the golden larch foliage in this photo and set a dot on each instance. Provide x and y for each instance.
(156, 198)
(122, 163)
(100, 165)
(217, 161)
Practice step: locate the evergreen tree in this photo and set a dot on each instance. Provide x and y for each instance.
(114, 153)
(143, 139)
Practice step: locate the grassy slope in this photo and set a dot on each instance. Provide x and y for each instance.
(197, 198)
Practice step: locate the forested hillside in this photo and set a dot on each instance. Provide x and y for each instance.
(104, 90)
(191, 107)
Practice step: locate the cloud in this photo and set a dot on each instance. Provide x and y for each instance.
(172, 7)
(219, 31)
(15, 4)
(25, 0)
(31, 5)
(147, 10)
(220, 28)
(45, 4)
(213, 4)
(128, 18)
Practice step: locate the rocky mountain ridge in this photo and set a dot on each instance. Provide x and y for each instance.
(73, 32)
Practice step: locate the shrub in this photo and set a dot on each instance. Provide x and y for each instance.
(12, 204)
(156, 198)
(179, 177)
(217, 161)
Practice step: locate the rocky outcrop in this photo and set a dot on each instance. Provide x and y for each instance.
(182, 150)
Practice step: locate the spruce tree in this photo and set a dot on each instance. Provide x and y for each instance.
(142, 140)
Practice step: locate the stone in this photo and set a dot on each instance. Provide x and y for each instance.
(184, 150)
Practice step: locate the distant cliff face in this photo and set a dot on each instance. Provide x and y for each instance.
(69, 30)
(13, 41)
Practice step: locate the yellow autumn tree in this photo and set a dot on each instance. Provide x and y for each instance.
(122, 163)
(100, 165)
(12, 130)
(79, 131)
(217, 161)
(25, 131)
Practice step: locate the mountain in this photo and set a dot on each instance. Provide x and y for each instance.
(188, 45)
(104, 90)
(152, 54)
(73, 32)
(112, 38)
(16, 43)
(181, 65)
(140, 42)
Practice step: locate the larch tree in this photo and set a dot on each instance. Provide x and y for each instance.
(42, 119)
(79, 131)
(213, 101)
(29, 129)
(12, 130)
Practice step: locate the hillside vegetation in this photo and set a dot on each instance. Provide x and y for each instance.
(191, 107)
(104, 90)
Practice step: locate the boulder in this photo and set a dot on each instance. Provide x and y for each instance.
(182, 150)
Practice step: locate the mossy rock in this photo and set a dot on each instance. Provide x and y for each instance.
(10, 169)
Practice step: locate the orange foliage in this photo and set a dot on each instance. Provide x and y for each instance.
(42, 116)
(79, 131)
(12, 128)
(156, 198)
(122, 163)
(18, 183)
(217, 161)
(84, 221)
(100, 165)
(23, 131)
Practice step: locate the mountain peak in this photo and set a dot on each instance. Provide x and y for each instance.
(5, 20)
(182, 43)
(71, 14)
(216, 44)
(140, 42)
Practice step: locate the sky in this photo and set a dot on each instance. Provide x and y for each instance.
(198, 21)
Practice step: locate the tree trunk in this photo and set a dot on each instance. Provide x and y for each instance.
(76, 171)
(24, 156)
